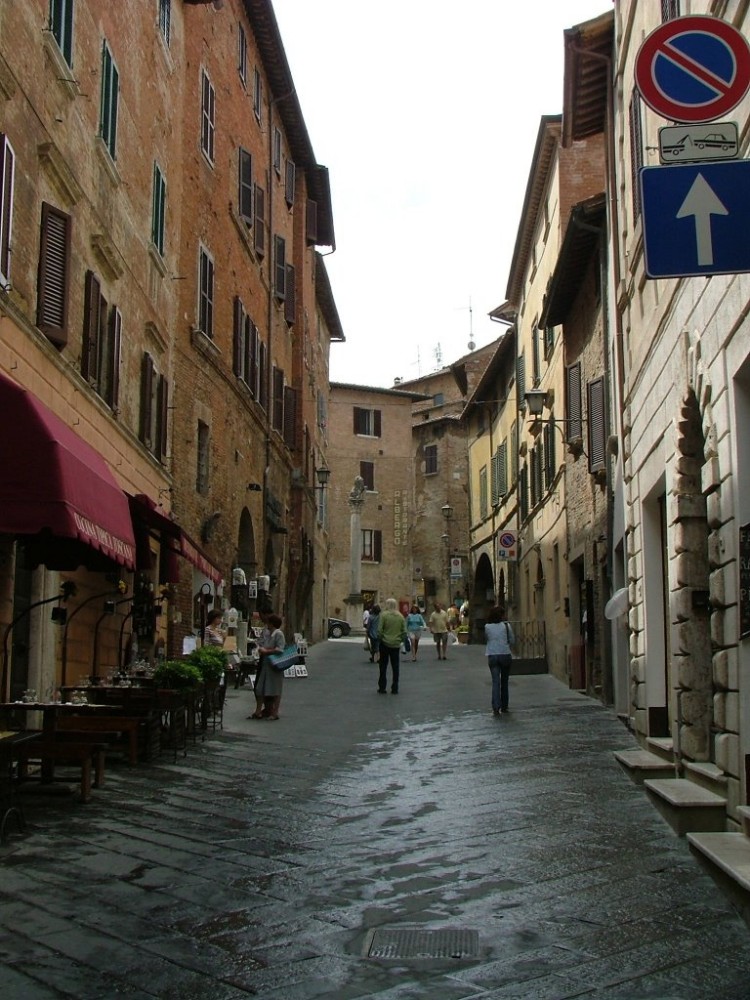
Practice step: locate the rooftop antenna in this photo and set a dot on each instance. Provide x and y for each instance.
(439, 355)
(472, 343)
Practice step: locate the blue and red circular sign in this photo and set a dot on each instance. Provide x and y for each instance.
(693, 69)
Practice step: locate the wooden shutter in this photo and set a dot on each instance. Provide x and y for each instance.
(7, 173)
(254, 362)
(245, 197)
(259, 228)
(162, 438)
(574, 421)
(111, 391)
(597, 423)
(521, 381)
(279, 265)
(495, 479)
(377, 423)
(263, 376)
(290, 417)
(502, 480)
(289, 182)
(278, 399)
(549, 453)
(290, 300)
(92, 318)
(523, 491)
(377, 546)
(237, 349)
(147, 390)
(311, 222)
(54, 275)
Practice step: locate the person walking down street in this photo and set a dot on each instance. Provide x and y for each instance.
(269, 683)
(500, 638)
(439, 629)
(414, 625)
(391, 633)
(372, 632)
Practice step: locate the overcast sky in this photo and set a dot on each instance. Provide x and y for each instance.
(425, 113)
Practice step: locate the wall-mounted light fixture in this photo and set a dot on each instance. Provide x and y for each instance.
(537, 400)
(323, 475)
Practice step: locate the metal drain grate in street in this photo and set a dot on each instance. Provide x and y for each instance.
(415, 942)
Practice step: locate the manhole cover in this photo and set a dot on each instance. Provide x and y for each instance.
(413, 942)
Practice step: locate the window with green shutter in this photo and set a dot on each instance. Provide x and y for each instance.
(158, 210)
(574, 421)
(597, 425)
(61, 26)
(502, 475)
(109, 101)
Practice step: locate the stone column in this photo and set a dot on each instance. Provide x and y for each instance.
(357, 498)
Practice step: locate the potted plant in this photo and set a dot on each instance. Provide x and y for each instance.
(177, 675)
(210, 661)
(462, 633)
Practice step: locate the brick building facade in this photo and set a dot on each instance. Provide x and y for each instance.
(163, 310)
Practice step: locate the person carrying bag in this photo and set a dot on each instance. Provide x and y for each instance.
(500, 639)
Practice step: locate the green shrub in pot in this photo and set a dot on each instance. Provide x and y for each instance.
(210, 661)
(177, 675)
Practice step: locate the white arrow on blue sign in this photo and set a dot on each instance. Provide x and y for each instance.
(695, 219)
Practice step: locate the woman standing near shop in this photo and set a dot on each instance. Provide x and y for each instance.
(214, 634)
(414, 625)
(269, 684)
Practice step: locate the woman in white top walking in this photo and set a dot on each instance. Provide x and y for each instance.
(500, 638)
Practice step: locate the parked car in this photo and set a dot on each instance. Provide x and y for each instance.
(337, 627)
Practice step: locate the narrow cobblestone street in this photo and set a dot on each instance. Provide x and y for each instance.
(398, 847)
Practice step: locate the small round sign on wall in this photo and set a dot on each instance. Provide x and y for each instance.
(693, 69)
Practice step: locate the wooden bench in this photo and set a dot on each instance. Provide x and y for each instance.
(118, 726)
(87, 755)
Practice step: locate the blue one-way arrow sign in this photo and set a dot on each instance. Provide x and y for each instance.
(696, 219)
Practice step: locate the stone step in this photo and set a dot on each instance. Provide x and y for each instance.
(662, 746)
(687, 807)
(707, 775)
(640, 764)
(727, 858)
(744, 814)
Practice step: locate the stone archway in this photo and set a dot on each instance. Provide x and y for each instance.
(691, 668)
(482, 598)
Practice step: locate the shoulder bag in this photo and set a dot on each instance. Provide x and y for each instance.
(287, 657)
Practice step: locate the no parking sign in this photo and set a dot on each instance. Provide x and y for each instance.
(507, 545)
(693, 69)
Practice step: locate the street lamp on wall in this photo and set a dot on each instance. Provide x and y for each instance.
(322, 475)
(447, 511)
(537, 400)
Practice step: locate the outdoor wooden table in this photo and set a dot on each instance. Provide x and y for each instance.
(50, 711)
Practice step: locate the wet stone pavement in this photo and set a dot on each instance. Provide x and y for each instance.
(400, 847)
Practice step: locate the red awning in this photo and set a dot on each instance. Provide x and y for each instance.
(174, 540)
(56, 487)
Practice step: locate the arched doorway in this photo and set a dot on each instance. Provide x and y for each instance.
(482, 598)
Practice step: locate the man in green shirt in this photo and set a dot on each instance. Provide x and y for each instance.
(391, 633)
